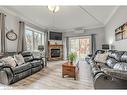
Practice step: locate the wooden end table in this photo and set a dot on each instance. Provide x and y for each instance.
(69, 69)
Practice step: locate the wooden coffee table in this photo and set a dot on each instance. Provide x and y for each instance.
(69, 69)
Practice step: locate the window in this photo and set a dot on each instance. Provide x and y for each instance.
(29, 39)
(37, 40)
(34, 38)
(80, 45)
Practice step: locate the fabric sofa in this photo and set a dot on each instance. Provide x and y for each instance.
(113, 73)
(9, 75)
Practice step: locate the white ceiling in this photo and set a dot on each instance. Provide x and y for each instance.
(67, 18)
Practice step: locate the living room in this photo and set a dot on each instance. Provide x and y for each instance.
(63, 47)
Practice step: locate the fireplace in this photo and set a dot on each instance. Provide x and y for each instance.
(55, 53)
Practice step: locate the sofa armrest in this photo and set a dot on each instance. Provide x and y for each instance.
(6, 74)
(102, 81)
(2, 65)
(39, 58)
(90, 55)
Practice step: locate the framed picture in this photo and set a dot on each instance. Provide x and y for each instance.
(125, 31)
(121, 32)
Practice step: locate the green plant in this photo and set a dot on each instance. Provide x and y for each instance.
(72, 57)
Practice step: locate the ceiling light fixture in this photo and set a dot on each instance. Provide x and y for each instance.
(54, 9)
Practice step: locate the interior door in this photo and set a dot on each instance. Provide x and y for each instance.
(80, 45)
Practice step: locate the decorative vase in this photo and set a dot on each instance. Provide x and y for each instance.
(71, 63)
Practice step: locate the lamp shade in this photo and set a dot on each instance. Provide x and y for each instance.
(105, 46)
(41, 47)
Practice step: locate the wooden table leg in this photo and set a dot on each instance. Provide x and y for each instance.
(62, 75)
(75, 77)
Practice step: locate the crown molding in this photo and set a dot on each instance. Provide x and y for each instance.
(22, 17)
(48, 27)
(88, 28)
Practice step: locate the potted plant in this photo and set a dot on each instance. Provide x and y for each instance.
(72, 57)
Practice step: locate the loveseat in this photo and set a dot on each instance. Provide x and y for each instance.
(112, 74)
(9, 75)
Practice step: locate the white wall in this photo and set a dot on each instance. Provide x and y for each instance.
(119, 18)
(12, 22)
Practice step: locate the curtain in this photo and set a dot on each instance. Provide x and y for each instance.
(46, 44)
(67, 46)
(21, 46)
(2, 30)
(93, 43)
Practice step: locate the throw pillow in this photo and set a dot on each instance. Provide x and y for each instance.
(111, 62)
(101, 58)
(120, 66)
(19, 59)
(9, 60)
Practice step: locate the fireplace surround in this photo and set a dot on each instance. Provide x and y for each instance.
(55, 52)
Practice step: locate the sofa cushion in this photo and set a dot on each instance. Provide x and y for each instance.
(101, 57)
(120, 66)
(22, 68)
(111, 62)
(115, 73)
(36, 63)
(28, 58)
(124, 57)
(26, 53)
(116, 55)
(9, 60)
(19, 59)
(112, 72)
(97, 52)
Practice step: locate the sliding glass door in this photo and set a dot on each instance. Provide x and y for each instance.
(80, 45)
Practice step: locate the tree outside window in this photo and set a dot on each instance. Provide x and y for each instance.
(33, 39)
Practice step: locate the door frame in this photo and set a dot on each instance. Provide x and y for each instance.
(79, 37)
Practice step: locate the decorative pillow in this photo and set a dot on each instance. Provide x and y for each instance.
(111, 62)
(101, 58)
(19, 59)
(124, 57)
(120, 66)
(116, 55)
(9, 60)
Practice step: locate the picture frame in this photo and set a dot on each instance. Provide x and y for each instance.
(121, 32)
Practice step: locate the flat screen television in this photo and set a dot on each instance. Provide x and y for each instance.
(55, 35)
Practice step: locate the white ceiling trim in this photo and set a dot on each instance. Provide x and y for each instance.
(88, 28)
(111, 15)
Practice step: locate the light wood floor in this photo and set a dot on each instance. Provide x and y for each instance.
(51, 78)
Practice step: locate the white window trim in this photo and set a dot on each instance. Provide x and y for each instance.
(33, 31)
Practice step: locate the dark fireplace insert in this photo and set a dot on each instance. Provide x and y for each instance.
(55, 53)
